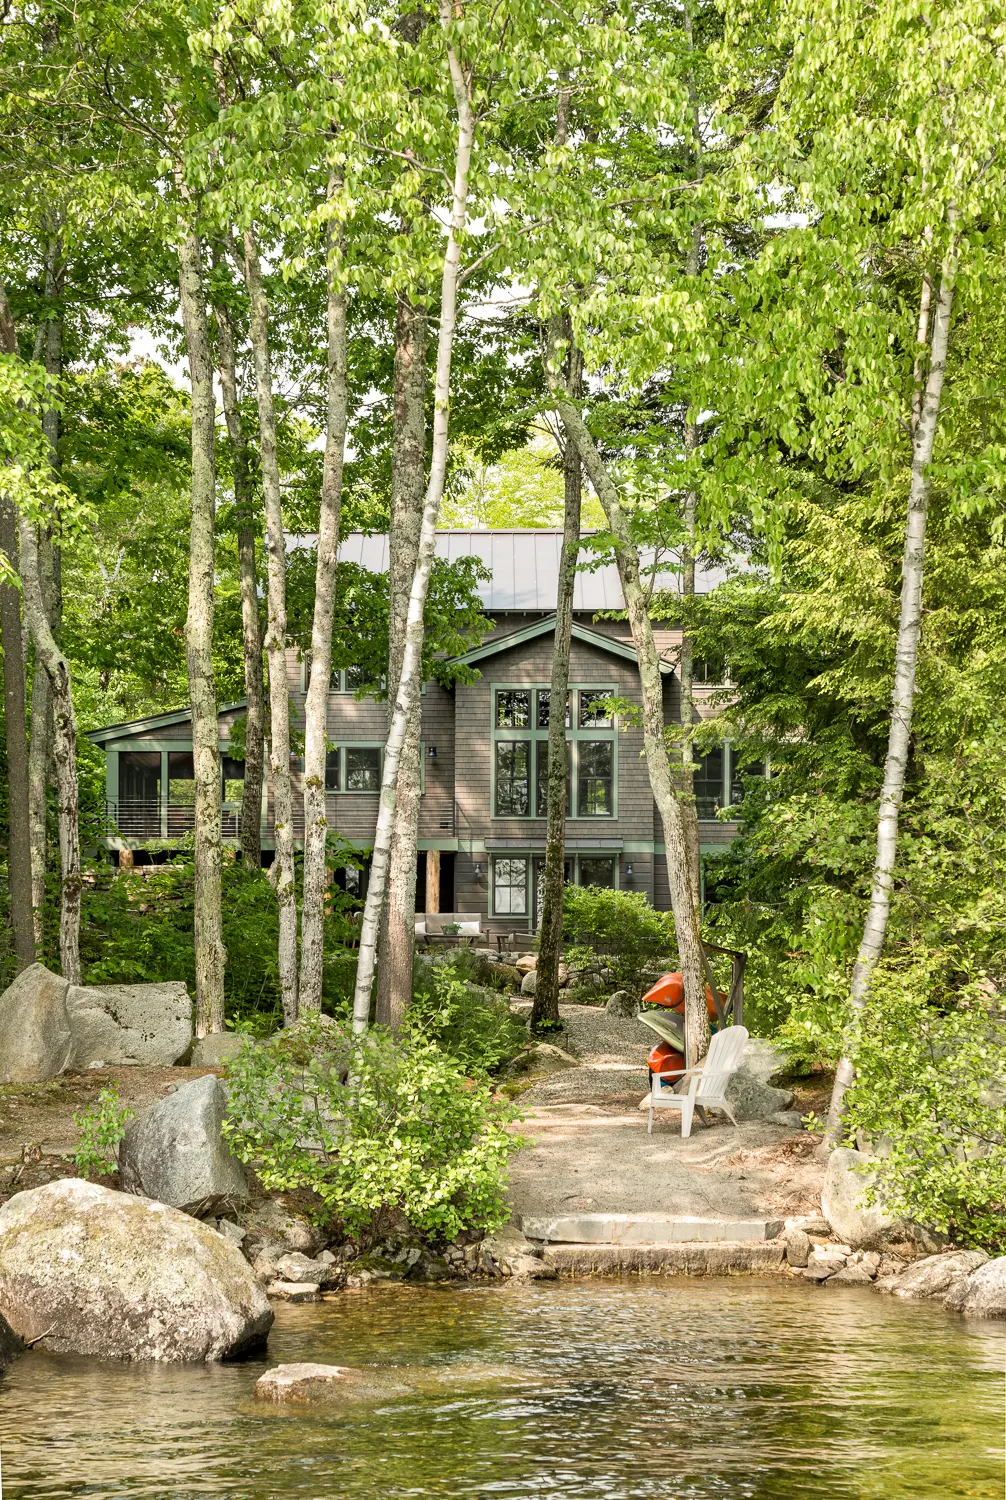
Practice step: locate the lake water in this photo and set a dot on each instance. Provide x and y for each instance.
(591, 1390)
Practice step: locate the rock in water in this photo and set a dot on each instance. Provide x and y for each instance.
(129, 1023)
(217, 1050)
(85, 1270)
(862, 1226)
(302, 1382)
(35, 1039)
(10, 1345)
(982, 1294)
(935, 1275)
(176, 1152)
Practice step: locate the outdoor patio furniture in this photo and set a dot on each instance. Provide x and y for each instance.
(707, 1083)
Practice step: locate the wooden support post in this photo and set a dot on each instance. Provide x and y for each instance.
(433, 880)
(125, 859)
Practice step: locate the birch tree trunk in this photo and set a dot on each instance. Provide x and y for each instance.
(55, 665)
(661, 782)
(312, 931)
(275, 636)
(408, 477)
(925, 426)
(41, 742)
(211, 955)
(409, 683)
(19, 832)
(545, 1009)
(251, 630)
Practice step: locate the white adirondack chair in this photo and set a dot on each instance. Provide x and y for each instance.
(708, 1083)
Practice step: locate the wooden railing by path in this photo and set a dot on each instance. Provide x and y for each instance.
(730, 1007)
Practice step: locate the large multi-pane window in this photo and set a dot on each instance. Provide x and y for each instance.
(353, 768)
(520, 752)
(510, 886)
(719, 779)
(518, 880)
(513, 778)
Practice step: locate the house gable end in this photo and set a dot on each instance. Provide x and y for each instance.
(546, 626)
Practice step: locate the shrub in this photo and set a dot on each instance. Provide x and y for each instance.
(102, 1126)
(471, 1024)
(930, 1079)
(138, 929)
(369, 1124)
(619, 927)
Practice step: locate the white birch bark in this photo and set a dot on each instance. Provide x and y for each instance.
(312, 930)
(408, 483)
(925, 427)
(545, 1008)
(410, 684)
(661, 781)
(275, 635)
(211, 956)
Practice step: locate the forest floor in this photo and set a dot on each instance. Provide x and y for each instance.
(38, 1136)
(589, 1151)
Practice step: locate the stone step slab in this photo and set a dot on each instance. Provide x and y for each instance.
(648, 1229)
(697, 1259)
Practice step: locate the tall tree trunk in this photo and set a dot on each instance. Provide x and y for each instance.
(545, 1009)
(211, 955)
(251, 629)
(312, 928)
(925, 425)
(661, 781)
(408, 483)
(275, 636)
(41, 744)
(19, 870)
(19, 833)
(410, 684)
(53, 661)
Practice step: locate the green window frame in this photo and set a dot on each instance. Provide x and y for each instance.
(346, 765)
(520, 718)
(717, 780)
(512, 874)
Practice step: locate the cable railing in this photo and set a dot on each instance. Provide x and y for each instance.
(146, 818)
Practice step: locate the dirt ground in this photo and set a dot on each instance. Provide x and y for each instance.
(37, 1131)
(589, 1151)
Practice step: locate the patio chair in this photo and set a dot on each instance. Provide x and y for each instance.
(708, 1083)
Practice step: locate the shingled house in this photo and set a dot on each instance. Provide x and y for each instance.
(482, 818)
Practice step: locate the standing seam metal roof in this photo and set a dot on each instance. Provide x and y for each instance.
(524, 567)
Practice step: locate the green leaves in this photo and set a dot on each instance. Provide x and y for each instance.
(409, 1132)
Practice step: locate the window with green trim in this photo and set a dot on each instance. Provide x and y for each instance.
(520, 723)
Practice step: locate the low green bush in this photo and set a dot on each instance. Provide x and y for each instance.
(102, 1126)
(370, 1124)
(617, 931)
(931, 1081)
(469, 1022)
(138, 929)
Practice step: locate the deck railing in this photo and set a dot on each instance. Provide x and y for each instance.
(137, 818)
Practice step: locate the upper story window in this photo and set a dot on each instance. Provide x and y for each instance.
(342, 679)
(718, 779)
(520, 726)
(354, 768)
